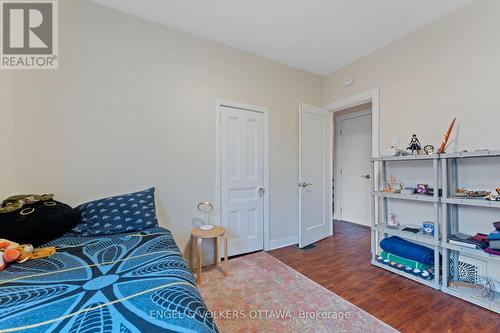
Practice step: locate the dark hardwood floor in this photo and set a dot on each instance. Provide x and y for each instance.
(342, 264)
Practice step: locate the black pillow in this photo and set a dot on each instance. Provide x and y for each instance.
(38, 223)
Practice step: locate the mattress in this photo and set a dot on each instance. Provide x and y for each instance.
(135, 282)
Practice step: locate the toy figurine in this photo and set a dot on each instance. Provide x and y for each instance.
(414, 144)
(8, 253)
(422, 188)
(429, 149)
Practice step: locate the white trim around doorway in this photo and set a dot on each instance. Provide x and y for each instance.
(373, 97)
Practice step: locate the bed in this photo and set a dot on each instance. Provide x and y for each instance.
(128, 282)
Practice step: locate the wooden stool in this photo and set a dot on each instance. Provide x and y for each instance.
(216, 233)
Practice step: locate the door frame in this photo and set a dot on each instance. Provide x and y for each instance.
(373, 97)
(219, 103)
(338, 152)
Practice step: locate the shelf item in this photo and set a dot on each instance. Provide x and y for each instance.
(430, 283)
(495, 244)
(406, 249)
(410, 264)
(471, 202)
(415, 197)
(477, 242)
(471, 252)
(418, 237)
(463, 244)
(424, 274)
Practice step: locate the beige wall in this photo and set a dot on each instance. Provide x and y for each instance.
(132, 106)
(7, 141)
(450, 68)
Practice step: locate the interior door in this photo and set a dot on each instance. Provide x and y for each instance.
(315, 174)
(355, 139)
(242, 179)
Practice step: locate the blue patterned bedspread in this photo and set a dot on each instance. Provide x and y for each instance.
(136, 282)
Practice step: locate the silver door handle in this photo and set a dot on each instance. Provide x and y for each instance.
(262, 190)
(366, 176)
(305, 184)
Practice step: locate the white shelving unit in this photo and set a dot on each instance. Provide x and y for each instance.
(378, 227)
(444, 225)
(450, 205)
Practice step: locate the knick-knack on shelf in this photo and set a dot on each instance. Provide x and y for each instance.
(414, 144)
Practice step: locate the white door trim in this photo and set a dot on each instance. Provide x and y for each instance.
(354, 115)
(372, 96)
(338, 152)
(217, 159)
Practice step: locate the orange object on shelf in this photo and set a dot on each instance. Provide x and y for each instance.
(447, 137)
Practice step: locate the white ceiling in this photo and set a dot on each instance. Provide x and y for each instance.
(319, 36)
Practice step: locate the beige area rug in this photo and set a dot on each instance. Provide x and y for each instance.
(261, 294)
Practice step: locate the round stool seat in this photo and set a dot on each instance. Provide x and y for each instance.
(214, 232)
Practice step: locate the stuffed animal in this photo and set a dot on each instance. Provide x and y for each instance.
(8, 253)
(26, 252)
(11, 251)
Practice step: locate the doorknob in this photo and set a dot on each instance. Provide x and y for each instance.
(262, 190)
(366, 176)
(305, 184)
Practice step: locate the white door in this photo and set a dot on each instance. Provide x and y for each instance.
(355, 151)
(315, 174)
(242, 179)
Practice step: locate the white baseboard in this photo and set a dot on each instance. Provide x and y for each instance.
(282, 242)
